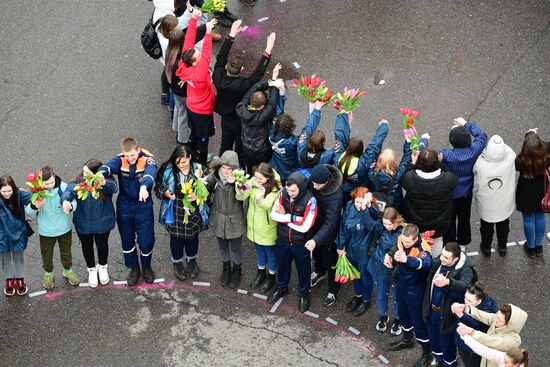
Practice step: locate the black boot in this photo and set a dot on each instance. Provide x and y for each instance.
(502, 249)
(148, 275)
(179, 271)
(276, 294)
(406, 342)
(236, 276)
(485, 249)
(303, 304)
(426, 359)
(133, 276)
(268, 283)
(226, 274)
(193, 268)
(258, 279)
(362, 308)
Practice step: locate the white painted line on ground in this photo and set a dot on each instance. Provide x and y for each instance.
(510, 244)
(382, 82)
(383, 359)
(473, 253)
(276, 305)
(120, 282)
(282, 1)
(36, 294)
(242, 291)
(354, 330)
(296, 65)
(202, 284)
(521, 243)
(243, 29)
(263, 19)
(159, 280)
(311, 314)
(84, 285)
(331, 321)
(260, 296)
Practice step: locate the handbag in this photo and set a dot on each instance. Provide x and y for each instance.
(149, 39)
(545, 204)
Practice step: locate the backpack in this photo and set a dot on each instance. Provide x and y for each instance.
(383, 194)
(545, 203)
(149, 39)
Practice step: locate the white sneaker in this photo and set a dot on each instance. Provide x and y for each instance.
(92, 277)
(548, 236)
(103, 274)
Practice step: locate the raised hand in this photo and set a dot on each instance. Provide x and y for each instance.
(276, 70)
(270, 42)
(236, 28)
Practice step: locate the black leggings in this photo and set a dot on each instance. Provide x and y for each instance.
(164, 82)
(102, 243)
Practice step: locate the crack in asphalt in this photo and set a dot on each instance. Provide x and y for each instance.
(197, 310)
(507, 68)
(6, 116)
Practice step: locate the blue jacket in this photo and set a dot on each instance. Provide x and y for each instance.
(52, 220)
(414, 272)
(13, 230)
(132, 177)
(341, 136)
(357, 230)
(385, 178)
(358, 176)
(460, 161)
(285, 158)
(488, 305)
(386, 240)
(93, 216)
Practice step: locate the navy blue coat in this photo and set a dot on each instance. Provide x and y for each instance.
(13, 230)
(357, 231)
(91, 215)
(386, 240)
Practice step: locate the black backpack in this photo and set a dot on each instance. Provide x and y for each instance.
(383, 194)
(149, 40)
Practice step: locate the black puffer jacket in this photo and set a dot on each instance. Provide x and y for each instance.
(329, 204)
(429, 201)
(255, 123)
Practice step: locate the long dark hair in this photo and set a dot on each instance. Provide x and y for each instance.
(93, 165)
(14, 198)
(533, 156)
(353, 150)
(181, 150)
(173, 52)
(428, 161)
(267, 171)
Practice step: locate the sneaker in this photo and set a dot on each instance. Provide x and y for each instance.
(164, 99)
(352, 305)
(538, 251)
(9, 289)
(103, 274)
(361, 308)
(531, 252)
(71, 277)
(548, 236)
(303, 304)
(92, 277)
(330, 299)
(382, 324)
(48, 281)
(396, 327)
(316, 278)
(22, 288)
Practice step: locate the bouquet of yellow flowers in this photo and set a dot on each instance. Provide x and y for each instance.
(213, 6)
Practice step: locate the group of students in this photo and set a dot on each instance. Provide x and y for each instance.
(304, 203)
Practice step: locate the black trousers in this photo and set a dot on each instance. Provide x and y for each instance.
(487, 230)
(251, 160)
(101, 241)
(325, 257)
(164, 82)
(202, 128)
(231, 134)
(460, 230)
(469, 359)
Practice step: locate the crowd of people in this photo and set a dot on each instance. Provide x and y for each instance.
(304, 203)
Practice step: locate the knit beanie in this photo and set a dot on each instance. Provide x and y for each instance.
(460, 137)
(320, 174)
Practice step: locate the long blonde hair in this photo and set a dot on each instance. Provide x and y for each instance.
(393, 216)
(387, 163)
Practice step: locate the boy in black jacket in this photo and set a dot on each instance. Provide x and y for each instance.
(231, 87)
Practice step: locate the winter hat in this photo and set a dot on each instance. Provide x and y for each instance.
(320, 174)
(460, 137)
(495, 149)
(228, 158)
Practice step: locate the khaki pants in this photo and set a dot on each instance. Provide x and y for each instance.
(47, 245)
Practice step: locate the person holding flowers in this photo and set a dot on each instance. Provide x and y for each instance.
(357, 232)
(388, 230)
(54, 225)
(261, 192)
(227, 217)
(174, 174)
(94, 217)
(14, 235)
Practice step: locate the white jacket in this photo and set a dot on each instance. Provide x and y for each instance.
(495, 181)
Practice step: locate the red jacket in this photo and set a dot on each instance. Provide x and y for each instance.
(200, 90)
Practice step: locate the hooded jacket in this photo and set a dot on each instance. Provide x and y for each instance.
(284, 159)
(488, 305)
(329, 202)
(492, 356)
(386, 240)
(13, 230)
(460, 277)
(495, 181)
(503, 338)
(294, 227)
(357, 231)
(256, 123)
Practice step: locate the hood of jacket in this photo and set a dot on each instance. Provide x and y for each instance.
(488, 304)
(333, 184)
(517, 319)
(495, 151)
(301, 181)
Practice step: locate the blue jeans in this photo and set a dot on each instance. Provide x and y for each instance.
(382, 287)
(533, 227)
(362, 286)
(266, 255)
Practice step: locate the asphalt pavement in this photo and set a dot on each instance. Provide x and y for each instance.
(74, 82)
